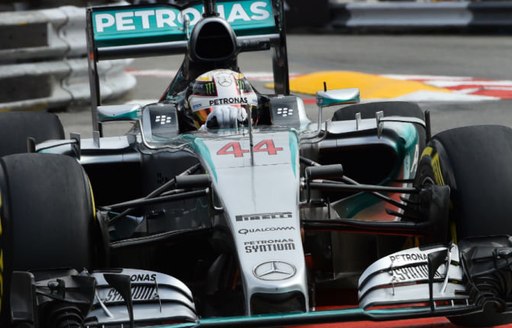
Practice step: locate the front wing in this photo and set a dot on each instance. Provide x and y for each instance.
(436, 281)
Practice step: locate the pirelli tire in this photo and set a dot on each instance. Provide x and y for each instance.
(389, 108)
(16, 127)
(47, 218)
(475, 162)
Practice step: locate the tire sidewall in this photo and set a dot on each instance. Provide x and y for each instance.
(51, 215)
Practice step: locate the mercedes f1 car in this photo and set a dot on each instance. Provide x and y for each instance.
(257, 218)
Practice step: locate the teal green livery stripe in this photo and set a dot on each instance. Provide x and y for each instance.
(294, 149)
(132, 116)
(200, 148)
(341, 315)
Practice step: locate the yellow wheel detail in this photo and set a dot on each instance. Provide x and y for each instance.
(430, 173)
(435, 163)
(93, 204)
(427, 151)
(436, 166)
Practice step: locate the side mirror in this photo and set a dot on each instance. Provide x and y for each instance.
(333, 98)
(119, 113)
(337, 97)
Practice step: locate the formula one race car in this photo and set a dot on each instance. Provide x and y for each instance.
(224, 206)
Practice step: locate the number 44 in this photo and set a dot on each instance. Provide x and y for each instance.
(235, 148)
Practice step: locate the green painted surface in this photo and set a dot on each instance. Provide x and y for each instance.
(294, 150)
(202, 150)
(164, 23)
(321, 316)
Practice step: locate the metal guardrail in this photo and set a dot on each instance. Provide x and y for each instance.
(43, 64)
(52, 85)
(417, 15)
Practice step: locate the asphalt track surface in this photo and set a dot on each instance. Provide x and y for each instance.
(485, 57)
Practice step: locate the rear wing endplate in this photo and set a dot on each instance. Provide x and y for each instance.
(117, 32)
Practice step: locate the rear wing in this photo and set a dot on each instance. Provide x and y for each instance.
(162, 29)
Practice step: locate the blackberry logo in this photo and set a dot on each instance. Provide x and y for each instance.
(163, 119)
(284, 112)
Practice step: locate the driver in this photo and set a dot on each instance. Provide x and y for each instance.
(220, 99)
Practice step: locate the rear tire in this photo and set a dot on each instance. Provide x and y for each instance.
(475, 163)
(46, 217)
(16, 127)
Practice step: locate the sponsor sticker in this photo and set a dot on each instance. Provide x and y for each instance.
(412, 273)
(143, 277)
(225, 80)
(409, 257)
(274, 271)
(267, 229)
(139, 293)
(163, 119)
(263, 216)
(228, 101)
(271, 245)
(167, 21)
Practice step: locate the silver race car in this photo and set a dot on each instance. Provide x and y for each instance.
(224, 206)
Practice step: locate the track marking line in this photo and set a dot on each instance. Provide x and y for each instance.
(375, 87)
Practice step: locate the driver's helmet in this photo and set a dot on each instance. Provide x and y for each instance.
(220, 99)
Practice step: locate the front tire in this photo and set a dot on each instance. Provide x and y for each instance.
(475, 162)
(46, 217)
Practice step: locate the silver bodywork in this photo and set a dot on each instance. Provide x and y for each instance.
(403, 278)
(156, 297)
(260, 198)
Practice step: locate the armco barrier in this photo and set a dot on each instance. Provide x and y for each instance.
(58, 84)
(43, 61)
(417, 15)
(49, 33)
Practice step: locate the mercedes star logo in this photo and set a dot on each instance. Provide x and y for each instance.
(225, 80)
(274, 271)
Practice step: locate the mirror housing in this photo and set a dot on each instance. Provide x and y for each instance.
(119, 113)
(337, 97)
(333, 98)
